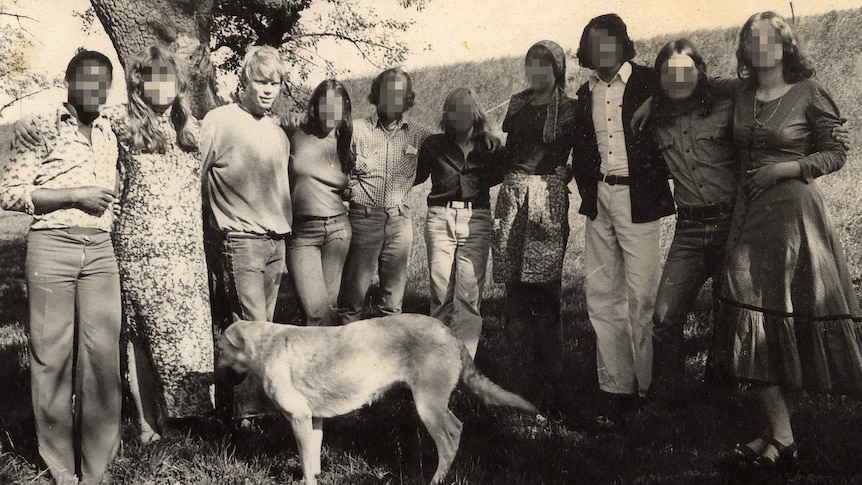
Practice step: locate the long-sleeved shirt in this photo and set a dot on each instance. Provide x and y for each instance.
(316, 178)
(701, 157)
(607, 102)
(245, 172)
(385, 161)
(455, 178)
(65, 159)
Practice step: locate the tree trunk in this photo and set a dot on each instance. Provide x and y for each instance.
(183, 25)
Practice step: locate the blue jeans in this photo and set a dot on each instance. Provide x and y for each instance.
(73, 290)
(382, 238)
(254, 266)
(458, 242)
(316, 254)
(696, 254)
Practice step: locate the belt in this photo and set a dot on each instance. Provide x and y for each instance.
(613, 179)
(304, 218)
(250, 235)
(370, 209)
(460, 204)
(721, 210)
(83, 231)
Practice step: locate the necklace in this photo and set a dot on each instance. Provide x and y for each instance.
(754, 110)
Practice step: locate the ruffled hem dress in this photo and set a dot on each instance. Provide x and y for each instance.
(789, 314)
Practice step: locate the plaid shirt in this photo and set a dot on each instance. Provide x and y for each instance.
(65, 159)
(385, 161)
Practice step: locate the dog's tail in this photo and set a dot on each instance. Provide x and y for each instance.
(491, 393)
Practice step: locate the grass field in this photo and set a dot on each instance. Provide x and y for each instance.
(385, 443)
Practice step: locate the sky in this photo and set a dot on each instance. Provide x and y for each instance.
(445, 31)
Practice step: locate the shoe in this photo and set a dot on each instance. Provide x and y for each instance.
(788, 457)
(741, 457)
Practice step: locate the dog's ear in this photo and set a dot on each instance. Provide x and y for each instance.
(234, 338)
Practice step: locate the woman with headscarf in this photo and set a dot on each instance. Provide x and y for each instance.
(531, 225)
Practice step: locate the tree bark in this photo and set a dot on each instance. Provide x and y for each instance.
(183, 25)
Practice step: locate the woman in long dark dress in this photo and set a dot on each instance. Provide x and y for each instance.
(790, 319)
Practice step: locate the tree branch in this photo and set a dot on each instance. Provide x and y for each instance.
(19, 98)
(18, 17)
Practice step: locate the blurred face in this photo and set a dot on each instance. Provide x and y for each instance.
(160, 84)
(260, 92)
(540, 73)
(678, 77)
(765, 45)
(460, 115)
(393, 90)
(330, 107)
(88, 88)
(605, 49)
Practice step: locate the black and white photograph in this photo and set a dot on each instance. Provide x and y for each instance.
(385, 242)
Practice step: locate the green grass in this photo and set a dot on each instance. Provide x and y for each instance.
(385, 443)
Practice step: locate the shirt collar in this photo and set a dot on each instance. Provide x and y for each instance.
(66, 115)
(375, 121)
(623, 74)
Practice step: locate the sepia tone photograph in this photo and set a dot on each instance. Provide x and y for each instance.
(430, 241)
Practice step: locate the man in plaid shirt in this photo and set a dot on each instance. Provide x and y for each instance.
(386, 145)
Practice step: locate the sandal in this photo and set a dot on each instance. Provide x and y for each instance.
(788, 457)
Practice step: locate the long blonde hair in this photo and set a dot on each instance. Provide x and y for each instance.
(145, 135)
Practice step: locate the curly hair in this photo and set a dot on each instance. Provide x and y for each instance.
(795, 65)
(616, 28)
(145, 135)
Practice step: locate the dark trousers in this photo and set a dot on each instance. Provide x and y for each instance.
(532, 313)
(696, 254)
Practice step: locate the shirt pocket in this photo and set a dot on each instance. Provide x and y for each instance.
(407, 161)
(712, 145)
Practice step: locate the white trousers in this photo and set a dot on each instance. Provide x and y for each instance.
(622, 264)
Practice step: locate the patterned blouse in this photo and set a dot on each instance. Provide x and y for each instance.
(65, 159)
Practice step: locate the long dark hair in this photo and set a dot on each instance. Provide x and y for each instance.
(703, 96)
(343, 132)
(795, 65)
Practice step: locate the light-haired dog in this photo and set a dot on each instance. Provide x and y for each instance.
(319, 372)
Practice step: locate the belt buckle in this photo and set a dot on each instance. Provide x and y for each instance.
(458, 204)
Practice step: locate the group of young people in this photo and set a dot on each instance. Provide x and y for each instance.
(243, 197)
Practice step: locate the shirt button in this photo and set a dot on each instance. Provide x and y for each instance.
(688, 151)
(685, 133)
(610, 153)
(609, 119)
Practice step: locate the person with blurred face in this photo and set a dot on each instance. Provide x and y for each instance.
(622, 180)
(68, 183)
(160, 247)
(789, 318)
(385, 145)
(159, 244)
(531, 225)
(462, 168)
(692, 127)
(321, 159)
(246, 195)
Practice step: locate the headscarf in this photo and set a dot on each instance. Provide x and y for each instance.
(560, 110)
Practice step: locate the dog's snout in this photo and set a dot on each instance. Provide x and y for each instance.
(228, 375)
